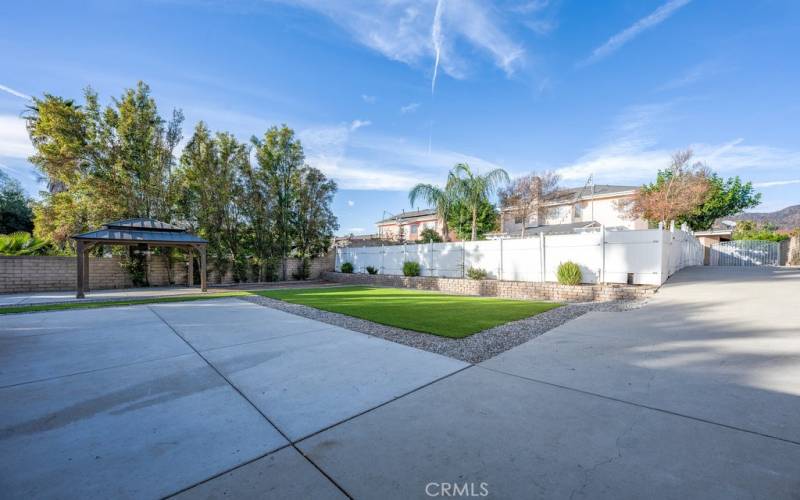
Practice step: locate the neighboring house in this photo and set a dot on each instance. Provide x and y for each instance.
(407, 226)
(567, 210)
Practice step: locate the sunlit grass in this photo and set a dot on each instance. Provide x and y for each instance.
(453, 316)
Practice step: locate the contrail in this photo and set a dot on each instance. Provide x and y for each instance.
(18, 93)
(436, 36)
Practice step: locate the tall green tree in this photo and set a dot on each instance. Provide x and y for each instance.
(473, 190)
(15, 211)
(725, 197)
(280, 157)
(461, 217)
(101, 163)
(313, 219)
(212, 194)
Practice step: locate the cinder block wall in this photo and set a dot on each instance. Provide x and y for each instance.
(46, 274)
(505, 289)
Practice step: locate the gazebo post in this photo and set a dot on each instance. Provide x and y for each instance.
(203, 285)
(81, 274)
(190, 268)
(86, 267)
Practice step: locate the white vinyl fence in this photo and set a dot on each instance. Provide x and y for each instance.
(745, 253)
(648, 256)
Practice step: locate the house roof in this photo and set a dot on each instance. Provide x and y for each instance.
(141, 231)
(585, 192)
(409, 215)
(552, 229)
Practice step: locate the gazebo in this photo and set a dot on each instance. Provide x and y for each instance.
(138, 232)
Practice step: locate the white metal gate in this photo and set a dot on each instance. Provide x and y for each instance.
(745, 253)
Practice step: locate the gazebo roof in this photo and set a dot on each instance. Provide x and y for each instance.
(131, 231)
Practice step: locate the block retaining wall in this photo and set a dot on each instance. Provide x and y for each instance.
(48, 274)
(505, 289)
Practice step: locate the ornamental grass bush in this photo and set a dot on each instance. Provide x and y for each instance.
(476, 273)
(411, 268)
(372, 270)
(569, 273)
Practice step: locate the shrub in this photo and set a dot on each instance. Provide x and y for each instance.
(476, 273)
(372, 270)
(22, 243)
(346, 267)
(411, 268)
(429, 235)
(569, 273)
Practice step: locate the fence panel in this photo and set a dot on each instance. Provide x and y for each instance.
(643, 257)
(745, 253)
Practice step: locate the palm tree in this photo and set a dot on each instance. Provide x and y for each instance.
(473, 189)
(442, 199)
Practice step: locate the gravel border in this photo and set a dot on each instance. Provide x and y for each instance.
(473, 349)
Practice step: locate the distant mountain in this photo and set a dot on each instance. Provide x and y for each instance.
(787, 218)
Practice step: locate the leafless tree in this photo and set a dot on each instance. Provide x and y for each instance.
(525, 195)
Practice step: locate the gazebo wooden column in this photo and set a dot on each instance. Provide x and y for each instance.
(82, 257)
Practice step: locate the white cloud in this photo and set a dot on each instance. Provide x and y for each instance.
(409, 108)
(357, 124)
(402, 30)
(614, 43)
(357, 230)
(369, 99)
(16, 93)
(377, 162)
(692, 75)
(631, 151)
(14, 141)
(351, 203)
(768, 184)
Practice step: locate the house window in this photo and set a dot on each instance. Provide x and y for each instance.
(414, 228)
(518, 220)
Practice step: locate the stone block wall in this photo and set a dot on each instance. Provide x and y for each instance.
(505, 289)
(46, 274)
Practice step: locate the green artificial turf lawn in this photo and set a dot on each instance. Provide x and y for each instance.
(115, 303)
(453, 316)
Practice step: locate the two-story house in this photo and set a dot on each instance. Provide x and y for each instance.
(566, 210)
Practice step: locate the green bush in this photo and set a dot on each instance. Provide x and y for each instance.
(411, 268)
(22, 243)
(476, 273)
(346, 267)
(429, 235)
(372, 270)
(569, 273)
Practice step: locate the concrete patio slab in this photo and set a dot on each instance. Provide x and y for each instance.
(282, 474)
(52, 344)
(211, 324)
(698, 349)
(145, 431)
(305, 383)
(523, 439)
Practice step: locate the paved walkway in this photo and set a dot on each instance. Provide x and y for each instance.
(696, 395)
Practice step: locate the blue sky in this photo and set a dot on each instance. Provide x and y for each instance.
(609, 88)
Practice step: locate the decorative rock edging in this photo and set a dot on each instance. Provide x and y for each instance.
(473, 349)
(525, 290)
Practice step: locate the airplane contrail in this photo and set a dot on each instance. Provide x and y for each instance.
(436, 37)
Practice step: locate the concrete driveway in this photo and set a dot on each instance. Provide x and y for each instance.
(696, 395)
(147, 401)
